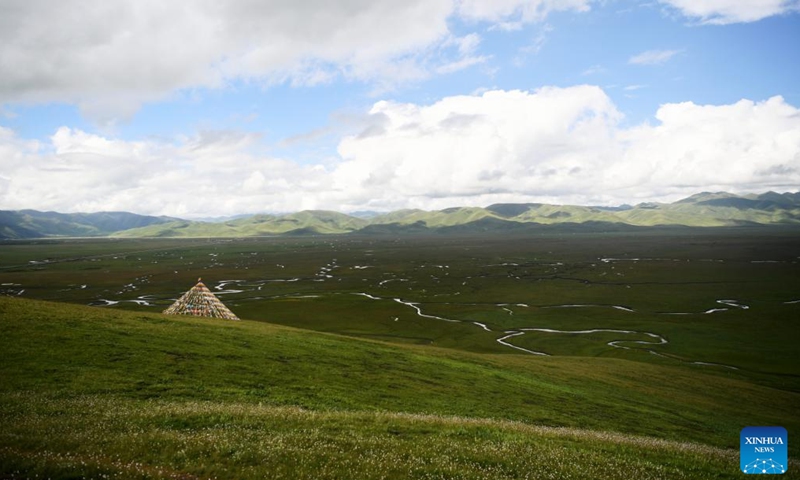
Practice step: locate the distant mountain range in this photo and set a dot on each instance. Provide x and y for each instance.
(701, 210)
(35, 224)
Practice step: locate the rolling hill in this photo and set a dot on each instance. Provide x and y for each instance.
(701, 210)
(34, 224)
(91, 392)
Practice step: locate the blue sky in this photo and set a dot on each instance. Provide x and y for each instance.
(197, 109)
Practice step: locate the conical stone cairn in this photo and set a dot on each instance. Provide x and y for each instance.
(200, 302)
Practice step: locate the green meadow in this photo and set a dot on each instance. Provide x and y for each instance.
(543, 355)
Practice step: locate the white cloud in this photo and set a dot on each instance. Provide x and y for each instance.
(653, 57)
(465, 62)
(467, 44)
(211, 173)
(563, 145)
(723, 12)
(594, 70)
(110, 57)
(746, 146)
(461, 148)
(516, 12)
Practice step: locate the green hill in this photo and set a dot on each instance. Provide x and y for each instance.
(33, 224)
(89, 392)
(435, 219)
(309, 221)
(322, 221)
(720, 209)
(704, 209)
(701, 210)
(405, 216)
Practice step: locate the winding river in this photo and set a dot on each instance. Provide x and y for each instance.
(223, 287)
(509, 334)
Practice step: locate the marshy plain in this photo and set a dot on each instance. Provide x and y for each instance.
(670, 333)
(724, 300)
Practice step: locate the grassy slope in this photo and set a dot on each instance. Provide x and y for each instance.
(698, 211)
(180, 228)
(26, 223)
(32, 223)
(90, 391)
(316, 221)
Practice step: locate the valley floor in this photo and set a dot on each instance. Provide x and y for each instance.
(365, 357)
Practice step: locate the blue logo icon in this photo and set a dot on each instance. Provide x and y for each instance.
(763, 450)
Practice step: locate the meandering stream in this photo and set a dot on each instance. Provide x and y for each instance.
(509, 334)
(326, 272)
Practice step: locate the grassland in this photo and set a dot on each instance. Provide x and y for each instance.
(335, 374)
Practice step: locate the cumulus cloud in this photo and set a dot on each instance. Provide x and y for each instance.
(208, 174)
(561, 145)
(653, 57)
(465, 147)
(723, 12)
(566, 145)
(746, 146)
(110, 57)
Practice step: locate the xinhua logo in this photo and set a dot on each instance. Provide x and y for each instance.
(763, 450)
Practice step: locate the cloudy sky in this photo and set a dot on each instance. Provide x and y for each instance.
(206, 108)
